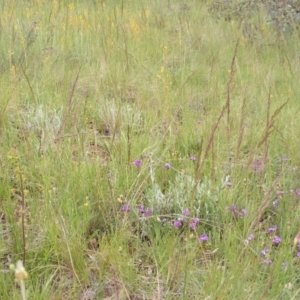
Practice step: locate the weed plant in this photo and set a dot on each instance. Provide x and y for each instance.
(147, 152)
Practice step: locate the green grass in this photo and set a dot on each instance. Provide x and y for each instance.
(89, 87)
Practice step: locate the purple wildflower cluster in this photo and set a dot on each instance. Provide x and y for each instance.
(203, 238)
(276, 240)
(257, 165)
(275, 203)
(137, 163)
(240, 213)
(250, 238)
(167, 166)
(264, 254)
(125, 208)
(192, 221)
(144, 211)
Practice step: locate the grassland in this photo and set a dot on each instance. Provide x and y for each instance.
(148, 151)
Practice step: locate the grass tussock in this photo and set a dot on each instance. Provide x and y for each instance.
(148, 151)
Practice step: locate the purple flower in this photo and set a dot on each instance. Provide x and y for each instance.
(167, 166)
(192, 158)
(195, 220)
(177, 223)
(193, 223)
(243, 212)
(276, 240)
(148, 212)
(234, 208)
(186, 212)
(257, 165)
(298, 192)
(251, 237)
(203, 238)
(272, 229)
(126, 208)
(264, 252)
(267, 261)
(137, 163)
(298, 254)
(275, 203)
(193, 226)
(228, 184)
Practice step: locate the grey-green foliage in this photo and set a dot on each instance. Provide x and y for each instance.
(283, 14)
(176, 197)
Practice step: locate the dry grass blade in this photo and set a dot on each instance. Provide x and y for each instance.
(67, 109)
(264, 205)
(270, 123)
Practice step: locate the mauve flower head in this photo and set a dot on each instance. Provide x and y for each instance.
(193, 226)
(193, 223)
(251, 237)
(177, 223)
(272, 229)
(264, 252)
(228, 184)
(276, 240)
(267, 261)
(148, 212)
(142, 208)
(275, 203)
(244, 212)
(195, 220)
(186, 212)
(298, 254)
(137, 163)
(192, 158)
(203, 238)
(298, 192)
(234, 209)
(126, 207)
(257, 165)
(167, 166)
